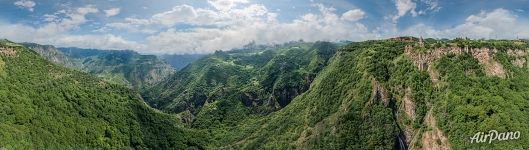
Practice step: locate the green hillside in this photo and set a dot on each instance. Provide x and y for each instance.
(383, 94)
(45, 106)
(337, 112)
(179, 61)
(399, 93)
(436, 95)
(52, 54)
(123, 67)
(264, 79)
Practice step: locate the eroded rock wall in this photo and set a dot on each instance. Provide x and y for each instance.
(424, 60)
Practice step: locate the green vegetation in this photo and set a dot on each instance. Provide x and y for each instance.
(338, 111)
(180, 61)
(50, 53)
(501, 45)
(45, 106)
(264, 79)
(123, 67)
(299, 95)
(468, 104)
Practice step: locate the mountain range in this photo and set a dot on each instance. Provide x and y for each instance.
(123, 67)
(398, 93)
(47, 106)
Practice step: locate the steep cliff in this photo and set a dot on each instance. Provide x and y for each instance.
(382, 95)
(52, 54)
(467, 75)
(121, 66)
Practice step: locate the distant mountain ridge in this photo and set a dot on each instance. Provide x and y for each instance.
(51, 53)
(264, 79)
(399, 93)
(121, 66)
(179, 61)
(124, 67)
(47, 106)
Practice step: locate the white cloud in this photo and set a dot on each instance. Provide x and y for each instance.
(410, 6)
(72, 19)
(50, 18)
(106, 41)
(220, 28)
(23, 33)
(403, 7)
(185, 14)
(353, 15)
(112, 12)
(130, 25)
(27, 4)
(433, 5)
(86, 10)
(226, 4)
(498, 23)
(260, 26)
(56, 32)
(227, 29)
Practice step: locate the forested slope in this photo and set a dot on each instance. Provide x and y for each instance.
(123, 67)
(399, 93)
(45, 106)
(405, 92)
(382, 94)
(264, 79)
(52, 54)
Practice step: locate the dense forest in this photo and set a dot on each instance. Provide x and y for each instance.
(45, 106)
(265, 78)
(399, 93)
(382, 94)
(123, 67)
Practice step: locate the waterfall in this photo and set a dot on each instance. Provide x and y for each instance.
(399, 143)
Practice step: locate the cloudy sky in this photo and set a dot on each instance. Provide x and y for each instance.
(203, 26)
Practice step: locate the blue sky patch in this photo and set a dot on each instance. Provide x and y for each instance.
(203, 26)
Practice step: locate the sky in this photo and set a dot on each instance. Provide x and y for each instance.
(204, 26)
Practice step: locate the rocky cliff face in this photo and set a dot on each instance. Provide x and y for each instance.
(424, 60)
(52, 54)
(407, 104)
(434, 139)
(8, 51)
(519, 57)
(120, 66)
(378, 93)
